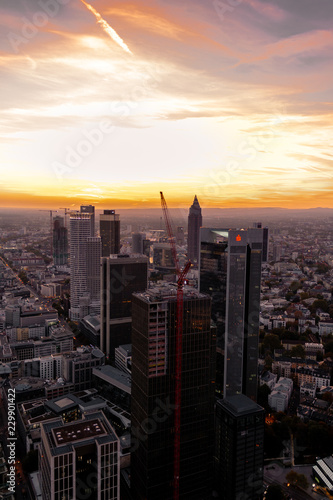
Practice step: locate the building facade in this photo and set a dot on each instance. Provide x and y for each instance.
(121, 275)
(230, 271)
(60, 242)
(153, 395)
(194, 225)
(79, 459)
(109, 228)
(239, 452)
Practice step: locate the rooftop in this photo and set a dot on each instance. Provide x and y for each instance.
(240, 404)
(78, 431)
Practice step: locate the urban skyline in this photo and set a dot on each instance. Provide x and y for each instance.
(239, 121)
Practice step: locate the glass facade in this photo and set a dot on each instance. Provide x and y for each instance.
(153, 396)
(230, 271)
(239, 451)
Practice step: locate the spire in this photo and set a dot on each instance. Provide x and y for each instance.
(196, 202)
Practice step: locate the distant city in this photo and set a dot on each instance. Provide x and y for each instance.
(166, 354)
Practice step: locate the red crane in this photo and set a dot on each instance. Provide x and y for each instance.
(181, 274)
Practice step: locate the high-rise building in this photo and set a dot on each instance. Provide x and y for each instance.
(137, 242)
(80, 231)
(239, 448)
(277, 252)
(109, 228)
(230, 271)
(194, 224)
(79, 459)
(180, 236)
(258, 225)
(121, 275)
(60, 242)
(94, 253)
(89, 209)
(153, 395)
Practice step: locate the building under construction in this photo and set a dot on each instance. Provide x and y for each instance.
(154, 355)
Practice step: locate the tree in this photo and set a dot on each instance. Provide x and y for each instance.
(274, 492)
(296, 479)
(297, 351)
(272, 342)
(263, 392)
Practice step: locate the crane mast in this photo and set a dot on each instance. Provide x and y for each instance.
(181, 275)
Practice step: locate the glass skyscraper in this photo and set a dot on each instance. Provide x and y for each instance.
(153, 395)
(230, 271)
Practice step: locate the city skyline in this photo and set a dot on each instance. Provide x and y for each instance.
(109, 105)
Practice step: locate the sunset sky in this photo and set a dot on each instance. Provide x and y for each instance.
(110, 102)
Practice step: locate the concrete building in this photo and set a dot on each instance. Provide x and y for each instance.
(79, 459)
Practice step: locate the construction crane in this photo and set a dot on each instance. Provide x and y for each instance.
(66, 212)
(51, 229)
(181, 275)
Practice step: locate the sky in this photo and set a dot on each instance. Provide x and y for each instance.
(112, 101)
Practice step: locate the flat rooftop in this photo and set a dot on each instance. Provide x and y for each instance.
(240, 404)
(77, 431)
(168, 292)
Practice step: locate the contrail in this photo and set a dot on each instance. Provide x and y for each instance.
(107, 28)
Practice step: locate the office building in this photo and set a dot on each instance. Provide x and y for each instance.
(80, 231)
(153, 395)
(60, 242)
(121, 275)
(89, 209)
(79, 459)
(109, 228)
(230, 271)
(239, 452)
(277, 252)
(162, 257)
(194, 225)
(94, 253)
(258, 225)
(137, 242)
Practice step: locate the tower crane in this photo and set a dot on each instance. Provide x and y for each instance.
(181, 275)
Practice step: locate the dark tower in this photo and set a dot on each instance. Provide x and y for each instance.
(230, 271)
(194, 224)
(239, 452)
(153, 395)
(60, 242)
(109, 227)
(121, 275)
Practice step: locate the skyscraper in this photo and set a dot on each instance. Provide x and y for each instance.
(230, 271)
(109, 228)
(79, 459)
(60, 242)
(80, 231)
(239, 451)
(258, 225)
(94, 253)
(153, 395)
(121, 275)
(89, 209)
(194, 224)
